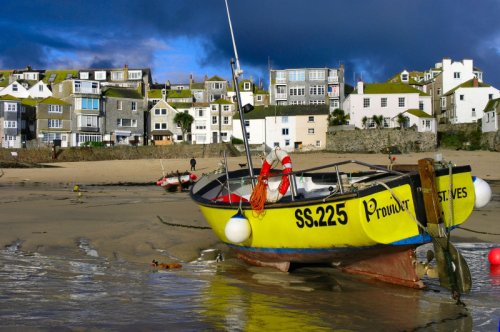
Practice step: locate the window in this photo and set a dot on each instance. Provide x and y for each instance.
(287, 142)
(225, 120)
(427, 124)
(404, 77)
(297, 102)
(473, 112)
(216, 86)
(296, 75)
(119, 104)
(55, 109)
(40, 88)
(10, 124)
(87, 121)
(214, 119)
(297, 91)
(214, 107)
(133, 106)
(310, 119)
(335, 103)
(318, 143)
(89, 103)
(11, 107)
(284, 119)
(386, 123)
(259, 98)
(438, 91)
(161, 111)
(134, 74)
(456, 74)
(226, 108)
(401, 101)
(200, 125)
(85, 87)
(383, 102)
(117, 75)
(317, 75)
(461, 97)
(55, 123)
(14, 87)
(281, 76)
(284, 131)
(421, 105)
(126, 122)
(84, 75)
(200, 112)
(246, 86)
(490, 96)
(100, 75)
(317, 90)
(160, 125)
(317, 102)
(366, 102)
(443, 102)
(310, 131)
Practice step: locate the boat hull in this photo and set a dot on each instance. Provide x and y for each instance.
(353, 230)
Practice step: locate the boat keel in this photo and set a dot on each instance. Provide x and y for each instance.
(395, 268)
(282, 266)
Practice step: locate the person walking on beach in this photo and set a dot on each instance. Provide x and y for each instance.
(193, 164)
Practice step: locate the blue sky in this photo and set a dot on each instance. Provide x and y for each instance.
(176, 38)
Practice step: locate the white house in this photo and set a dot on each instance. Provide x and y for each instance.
(200, 129)
(40, 90)
(15, 89)
(291, 128)
(466, 102)
(164, 130)
(387, 100)
(490, 117)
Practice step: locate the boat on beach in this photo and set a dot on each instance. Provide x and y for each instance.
(365, 219)
(177, 180)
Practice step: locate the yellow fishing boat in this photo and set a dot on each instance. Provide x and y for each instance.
(366, 221)
(363, 218)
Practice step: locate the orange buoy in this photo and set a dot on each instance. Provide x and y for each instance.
(494, 256)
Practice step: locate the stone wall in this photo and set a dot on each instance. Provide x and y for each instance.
(379, 140)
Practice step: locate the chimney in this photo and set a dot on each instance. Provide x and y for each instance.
(125, 72)
(475, 82)
(360, 87)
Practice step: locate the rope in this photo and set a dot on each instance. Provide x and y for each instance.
(401, 205)
(180, 225)
(259, 196)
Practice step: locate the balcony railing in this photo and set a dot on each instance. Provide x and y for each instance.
(333, 94)
(95, 91)
(281, 96)
(333, 79)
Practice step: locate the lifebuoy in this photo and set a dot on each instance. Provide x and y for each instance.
(273, 157)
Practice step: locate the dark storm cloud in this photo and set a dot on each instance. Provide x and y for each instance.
(373, 39)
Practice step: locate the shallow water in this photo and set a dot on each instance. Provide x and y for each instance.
(77, 289)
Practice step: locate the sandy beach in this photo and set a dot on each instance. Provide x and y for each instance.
(138, 223)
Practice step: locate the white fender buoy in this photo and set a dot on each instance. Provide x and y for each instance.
(238, 228)
(483, 192)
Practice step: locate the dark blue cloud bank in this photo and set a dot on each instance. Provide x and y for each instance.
(372, 39)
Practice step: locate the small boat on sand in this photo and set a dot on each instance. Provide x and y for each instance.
(174, 181)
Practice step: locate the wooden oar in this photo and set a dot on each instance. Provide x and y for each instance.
(453, 270)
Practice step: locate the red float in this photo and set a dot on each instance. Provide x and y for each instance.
(494, 256)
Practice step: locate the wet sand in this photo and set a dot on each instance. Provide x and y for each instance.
(138, 223)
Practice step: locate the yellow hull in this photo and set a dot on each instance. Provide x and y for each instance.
(362, 221)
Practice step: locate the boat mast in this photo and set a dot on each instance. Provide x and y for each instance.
(236, 72)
